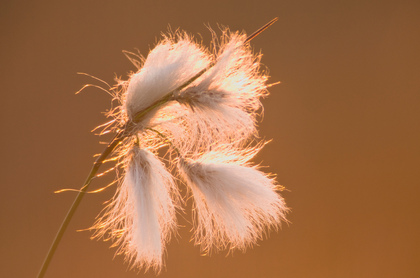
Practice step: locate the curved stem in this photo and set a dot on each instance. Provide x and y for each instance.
(117, 139)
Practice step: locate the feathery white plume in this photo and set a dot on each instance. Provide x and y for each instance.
(235, 204)
(204, 106)
(225, 99)
(170, 64)
(141, 216)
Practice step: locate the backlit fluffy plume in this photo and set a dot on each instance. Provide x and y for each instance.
(221, 105)
(225, 99)
(235, 204)
(202, 106)
(170, 64)
(141, 216)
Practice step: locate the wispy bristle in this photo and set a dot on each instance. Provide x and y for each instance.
(235, 204)
(141, 216)
(204, 105)
(171, 63)
(223, 103)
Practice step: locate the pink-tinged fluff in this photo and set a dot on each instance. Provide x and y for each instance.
(225, 99)
(221, 105)
(234, 204)
(234, 80)
(169, 65)
(141, 216)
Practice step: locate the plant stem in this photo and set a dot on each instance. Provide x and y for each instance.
(114, 143)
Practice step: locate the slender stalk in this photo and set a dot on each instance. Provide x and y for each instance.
(121, 135)
(117, 139)
(262, 29)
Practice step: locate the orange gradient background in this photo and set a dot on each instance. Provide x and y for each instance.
(344, 123)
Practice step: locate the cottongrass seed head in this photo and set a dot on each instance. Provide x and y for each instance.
(202, 106)
(234, 202)
(141, 216)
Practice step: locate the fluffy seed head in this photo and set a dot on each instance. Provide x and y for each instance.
(208, 121)
(222, 104)
(141, 216)
(171, 63)
(235, 203)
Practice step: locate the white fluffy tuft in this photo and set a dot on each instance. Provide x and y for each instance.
(225, 100)
(141, 216)
(170, 64)
(208, 123)
(234, 204)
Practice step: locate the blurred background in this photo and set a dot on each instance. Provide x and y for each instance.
(344, 123)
